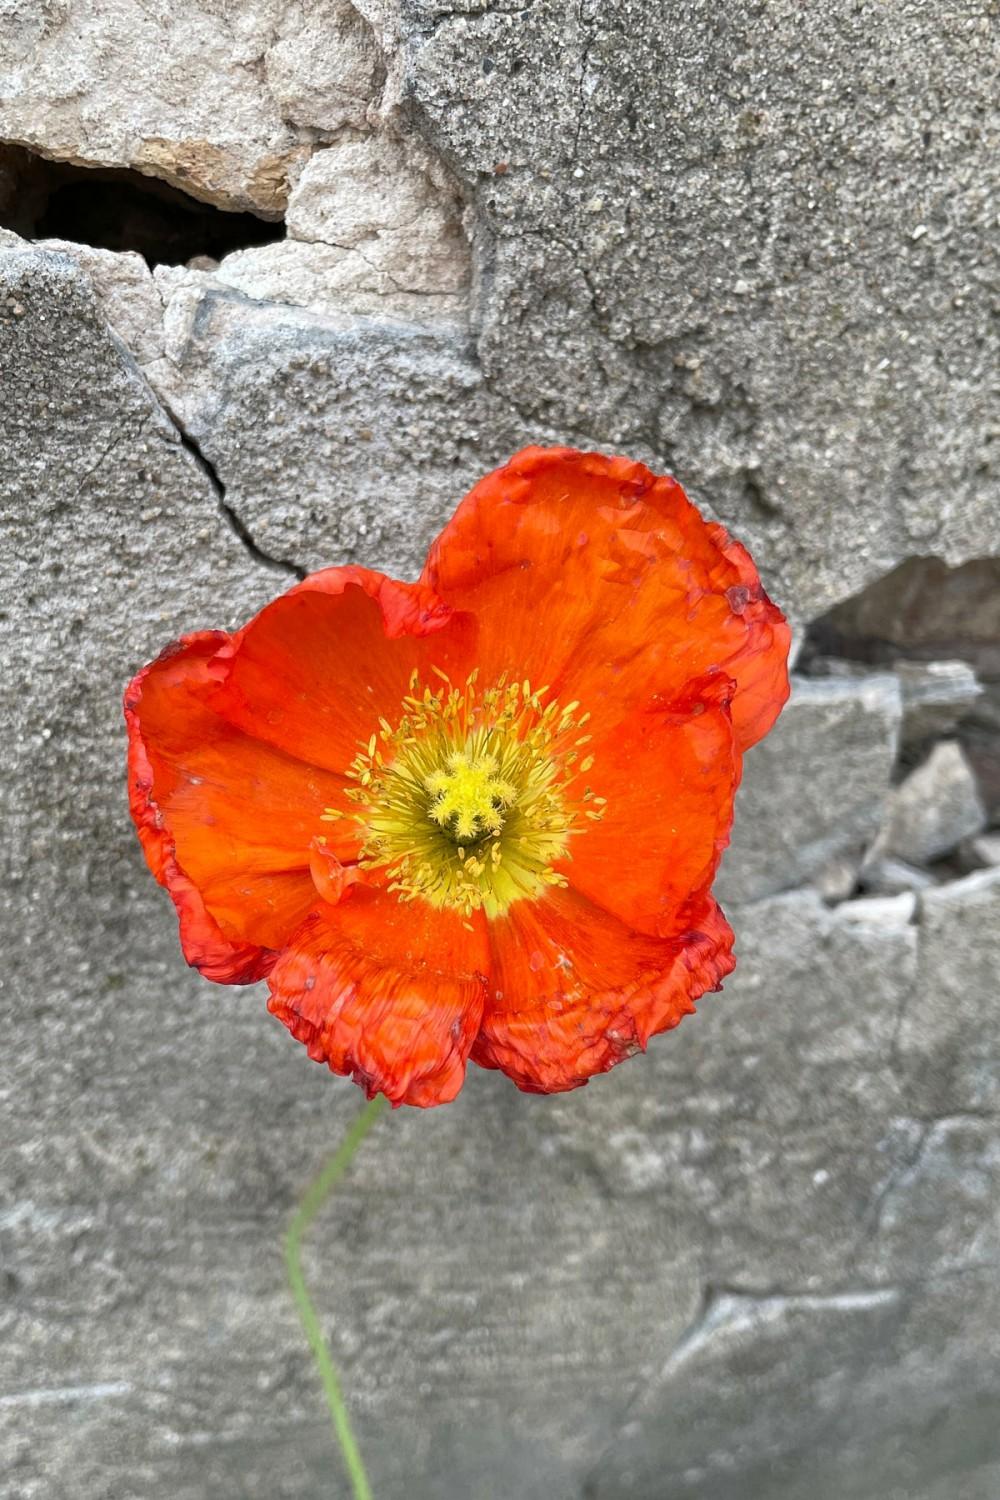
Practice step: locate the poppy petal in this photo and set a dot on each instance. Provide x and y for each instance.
(387, 992)
(225, 821)
(639, 591)
(762, 675)
(314, 672)
(573, 990)
(669, 775)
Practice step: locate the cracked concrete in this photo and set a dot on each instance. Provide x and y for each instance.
(762, 1260)
(238, 526)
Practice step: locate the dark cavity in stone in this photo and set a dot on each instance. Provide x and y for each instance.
(114, 209)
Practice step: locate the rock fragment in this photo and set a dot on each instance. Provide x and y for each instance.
(936, 695)
(814, 791)
(371, 429)
(126, 294)
(882, 910)
(949, 1037)
(933, 810)
(986, 849)
(224, 106)
(890, 877)
(375, 225)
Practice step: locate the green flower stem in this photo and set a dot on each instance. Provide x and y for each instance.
(313, 1199)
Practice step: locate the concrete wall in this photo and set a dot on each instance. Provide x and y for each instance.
(753, 243)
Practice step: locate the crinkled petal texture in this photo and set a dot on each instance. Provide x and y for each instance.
(396, 1002)
(573, 990)
(237, 744)
(587, 576)
(601, 580)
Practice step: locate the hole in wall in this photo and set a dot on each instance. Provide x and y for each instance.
(925, 611)
(116, 209)
(922, 610)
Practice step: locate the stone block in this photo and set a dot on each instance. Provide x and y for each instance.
(814, 791)
(932, 810)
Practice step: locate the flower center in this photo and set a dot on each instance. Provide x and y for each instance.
(468, 797)
(471, 799)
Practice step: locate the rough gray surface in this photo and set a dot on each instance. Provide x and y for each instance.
(762, 248)
(761, 1262)
(933, 810)
(949, 1030)
(986, 849)
(226, 104)
(835, 743)
(888, 877)
(937, 695)
(374, 223)
(380, 424)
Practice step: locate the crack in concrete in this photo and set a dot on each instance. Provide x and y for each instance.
(907, 1168)
(721, 1305)
(236, 523)
(459, 297)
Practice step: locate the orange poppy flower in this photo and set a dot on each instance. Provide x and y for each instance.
(477, 816)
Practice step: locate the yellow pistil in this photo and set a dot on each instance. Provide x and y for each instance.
(465, 802)
(469, 798)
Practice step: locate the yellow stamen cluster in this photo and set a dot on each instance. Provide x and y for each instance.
(464, 802)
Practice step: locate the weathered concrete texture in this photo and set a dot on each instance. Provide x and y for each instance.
(375, 225)
(873, 1419)
(986, 849)
(888, 877)
(950, 1031)
(338, 439)
(762, 248)
(225, 103)
(504, 1281)
(936, 696)
(125, 292)
(835, 743)
(101, 505)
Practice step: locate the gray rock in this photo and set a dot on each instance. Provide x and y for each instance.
(923, 609)
(225, 108)
(933, 810)
(115, 543)
(874, 1422)
(837, 881)
(929, 1216)
(889, 877)
(981, 739)
(722, 341)
(374, 225)
(950, 1032)
(890, 908)
(125, 291)
(815, 790)
(986, 849)
(671, 265)
(936, 696)
(375, 428)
